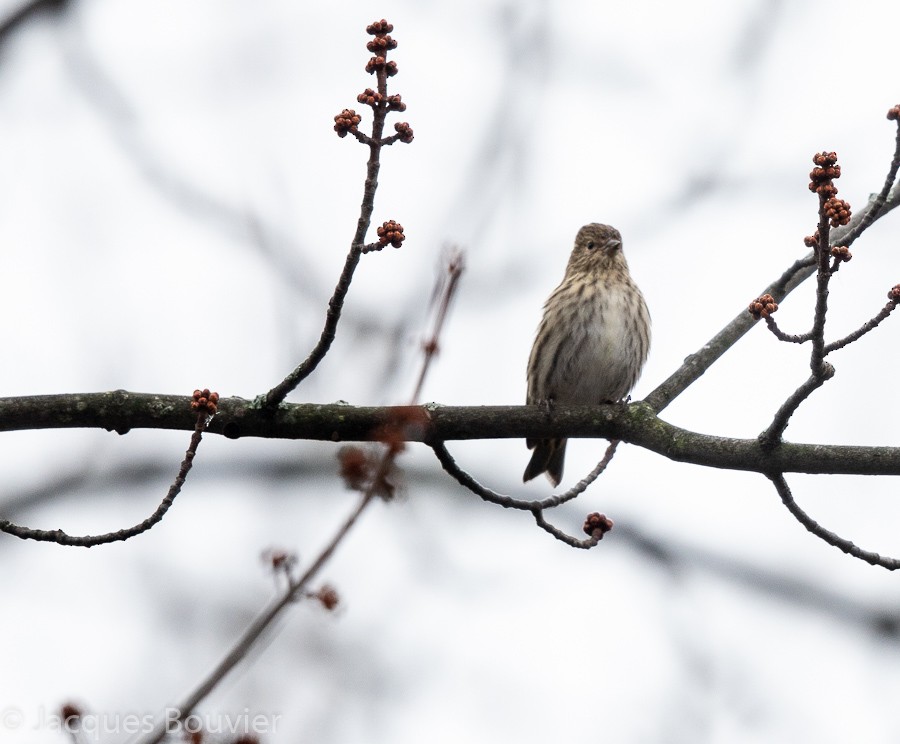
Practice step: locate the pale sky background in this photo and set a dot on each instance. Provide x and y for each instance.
(174, 211)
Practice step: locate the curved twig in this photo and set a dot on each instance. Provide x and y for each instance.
(875, 559)
(509, 502)
(799, 338)
(573, 542)
(884, 202)
(89, 541)
(869, 325)
(771, 436)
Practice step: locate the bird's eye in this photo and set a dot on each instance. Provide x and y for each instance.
(591, 245)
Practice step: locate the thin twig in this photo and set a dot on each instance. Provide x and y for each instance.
(823, 277)
(250, 636)
(772, 435)
(278, 393)
(509, 502)
(869, 325)
(89, 541)
(573, 542)
(784, 491)
(880, 201)
(445, 291)
(801, 338)
(821, 370)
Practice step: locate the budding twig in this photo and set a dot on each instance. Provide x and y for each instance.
(696, 364)
(536, 507)
(889, 195)
(347, 121)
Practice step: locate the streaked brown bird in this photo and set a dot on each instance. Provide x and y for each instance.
(593, 341)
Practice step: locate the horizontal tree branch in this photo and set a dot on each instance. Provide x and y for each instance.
(636, 423)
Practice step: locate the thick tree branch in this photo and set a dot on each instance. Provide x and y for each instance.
(636, 423)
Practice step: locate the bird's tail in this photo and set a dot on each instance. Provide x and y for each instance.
(549, 456)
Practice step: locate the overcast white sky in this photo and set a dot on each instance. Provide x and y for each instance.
(174, 212)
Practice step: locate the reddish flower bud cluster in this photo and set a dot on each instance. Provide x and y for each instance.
(841, 253)
(405, 132)
(280, 561)
(377, 98)
(381, 44)
(824, 173)
(346, 121)
(812, 241)
(379, 27)
(203, 400)
(395, 104)
(597, 525)
(369, 97)
(328, 596)
(356, 467)
(838, 211)
(391, 233)
(380, 63)
(362, 471)
(373, 98)
(763, 307)
(894, 294)
(893, 113)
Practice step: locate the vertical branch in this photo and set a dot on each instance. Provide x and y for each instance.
(455, 266)
(833, 212)
(823, 276)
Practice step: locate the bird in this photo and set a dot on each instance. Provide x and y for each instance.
(592, 342)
